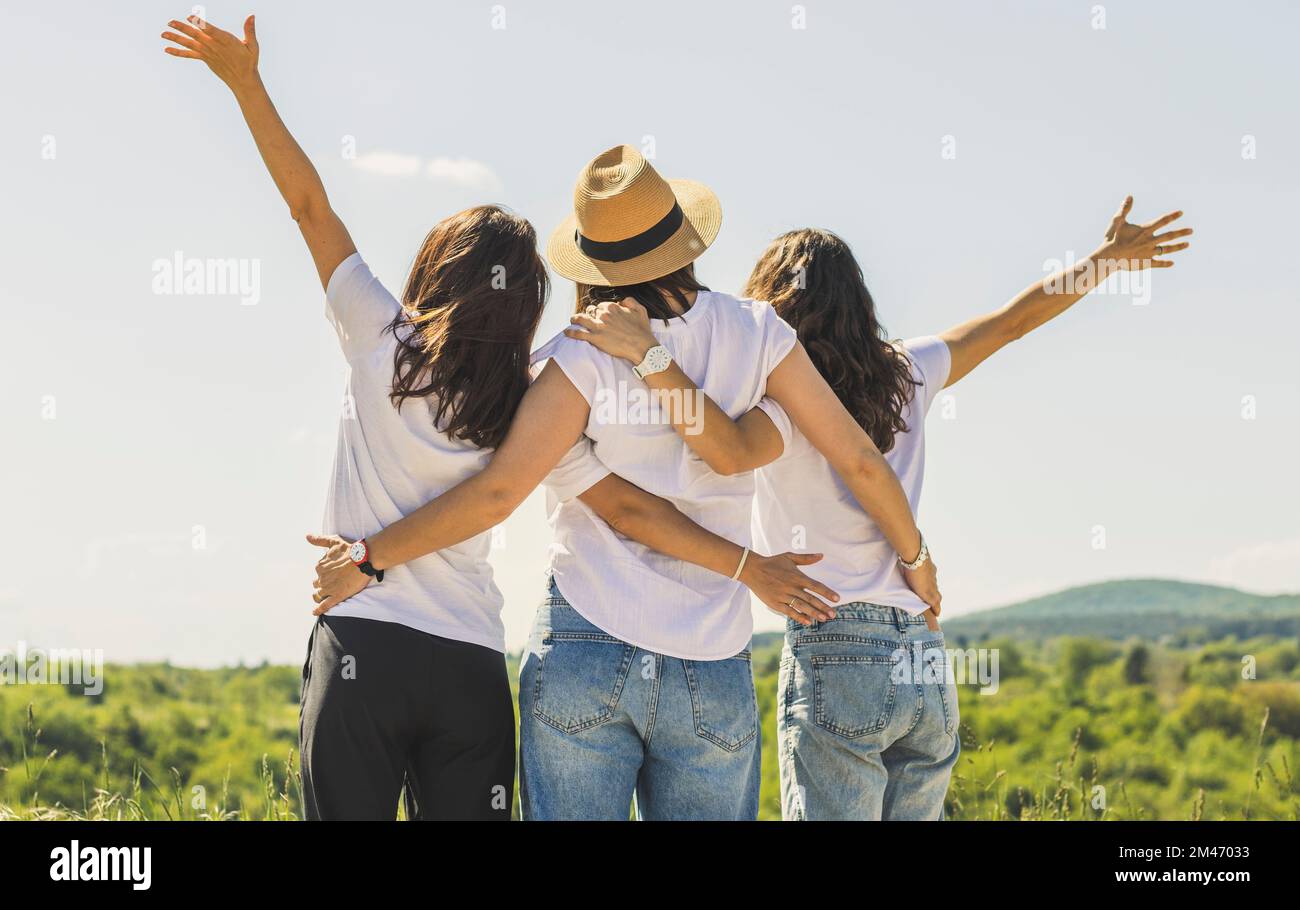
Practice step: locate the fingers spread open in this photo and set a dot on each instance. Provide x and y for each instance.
(180, 52)
(1162, 263)
(1172, 235)
(216, 34)
(1162, 221)
(182, 40)
(1165, 249)
(192, 31)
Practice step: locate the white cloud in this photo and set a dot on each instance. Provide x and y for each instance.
(1265, 568)
(388, 164)
(464, 172)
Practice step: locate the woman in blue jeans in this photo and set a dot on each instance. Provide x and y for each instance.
(637, 680)
(867, 711)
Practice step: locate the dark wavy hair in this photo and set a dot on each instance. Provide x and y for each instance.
(650, 294)
(815, 284)
(471, 306)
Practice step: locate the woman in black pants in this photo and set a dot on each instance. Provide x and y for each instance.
(406, 682)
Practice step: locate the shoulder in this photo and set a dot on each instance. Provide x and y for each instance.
(565, 351)
(740, 309)
(358, 305)
(931, 359)
(581, 362)
(352, 278)
(744, 314)
(757, 325)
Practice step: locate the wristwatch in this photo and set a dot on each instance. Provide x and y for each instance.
(920, 558)
(359, 553)
(656, 360)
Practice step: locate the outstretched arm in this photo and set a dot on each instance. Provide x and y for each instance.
(1127, 246)
(234, 62)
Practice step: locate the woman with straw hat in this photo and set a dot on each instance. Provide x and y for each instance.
(637, 679)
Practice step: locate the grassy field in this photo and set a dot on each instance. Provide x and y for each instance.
(1080, 728)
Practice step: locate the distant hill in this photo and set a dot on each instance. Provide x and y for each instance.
(1139, 608)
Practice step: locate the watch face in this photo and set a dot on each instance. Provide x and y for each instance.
(656, 361)
(357, 552)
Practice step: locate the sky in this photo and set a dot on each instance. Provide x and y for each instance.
(165, 449)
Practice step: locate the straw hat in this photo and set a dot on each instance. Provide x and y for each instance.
(630, 225)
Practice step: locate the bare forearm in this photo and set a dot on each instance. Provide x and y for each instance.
(1044, 300)
(294, 174)
(974, 341)
(1127, 247)
(466, 510)
(657, 523)
(703, 426)
(876, 488)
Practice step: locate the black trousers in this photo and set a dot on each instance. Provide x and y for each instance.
(389, 712)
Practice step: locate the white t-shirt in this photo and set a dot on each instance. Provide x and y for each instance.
(728, 347)
(802, 505)
(390, 462)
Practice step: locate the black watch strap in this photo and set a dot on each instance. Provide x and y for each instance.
(367, 569)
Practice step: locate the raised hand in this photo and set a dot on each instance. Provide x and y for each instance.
(1135, 246)
(783, 588)
(234, 61)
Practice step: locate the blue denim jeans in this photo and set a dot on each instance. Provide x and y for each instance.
(601, 720)
(866, 717)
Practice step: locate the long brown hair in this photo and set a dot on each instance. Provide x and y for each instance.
(471, 306)
(650, 294)
(815, 284)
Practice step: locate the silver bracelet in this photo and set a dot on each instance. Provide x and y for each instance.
(920, 558)
(740, 568)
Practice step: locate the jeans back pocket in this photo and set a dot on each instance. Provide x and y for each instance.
(723, 700)
(580, 676)
(853, 695)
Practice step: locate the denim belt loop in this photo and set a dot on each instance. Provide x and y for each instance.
(900, 619)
